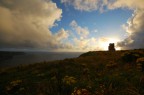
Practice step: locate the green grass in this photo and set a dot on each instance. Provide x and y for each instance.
(93, 73)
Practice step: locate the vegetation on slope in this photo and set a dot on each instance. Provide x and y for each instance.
(93, 73)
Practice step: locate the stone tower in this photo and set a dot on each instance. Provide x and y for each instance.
(111, 47)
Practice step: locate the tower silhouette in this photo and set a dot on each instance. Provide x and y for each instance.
(111, 47)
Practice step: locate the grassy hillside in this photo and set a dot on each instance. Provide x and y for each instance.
(92, 73)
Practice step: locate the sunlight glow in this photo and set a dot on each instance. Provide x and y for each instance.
(105, 43)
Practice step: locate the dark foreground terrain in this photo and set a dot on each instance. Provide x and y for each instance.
(92, 73)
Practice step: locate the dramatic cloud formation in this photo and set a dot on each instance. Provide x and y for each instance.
(26, 23)
(135, 30)
(134, 26)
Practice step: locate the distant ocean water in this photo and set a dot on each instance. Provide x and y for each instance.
(35, 57)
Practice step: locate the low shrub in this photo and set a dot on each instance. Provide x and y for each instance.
(140, 63)
(130, 57)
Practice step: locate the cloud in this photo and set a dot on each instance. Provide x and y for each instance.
(130, 4)
(91, 44)
(85, 44)
(135, 24)
(83, 5)
(80, 40)
(62, 34)
(135, 30)
(92, 5)
(83, 32)
(26, 23)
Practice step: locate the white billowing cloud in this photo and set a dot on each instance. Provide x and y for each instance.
(135, 29)
(83, 32)
(135, 24)
(62, 34)
(26, 23)
(83, 5)
(80, 44)
(85, 44)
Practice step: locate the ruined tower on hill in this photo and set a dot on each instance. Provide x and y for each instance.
(111, 47)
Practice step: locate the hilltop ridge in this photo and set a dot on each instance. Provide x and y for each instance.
(92, 73)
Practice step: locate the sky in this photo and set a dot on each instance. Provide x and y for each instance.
(71, 25)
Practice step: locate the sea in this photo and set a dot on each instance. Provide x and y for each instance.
(36, 57)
